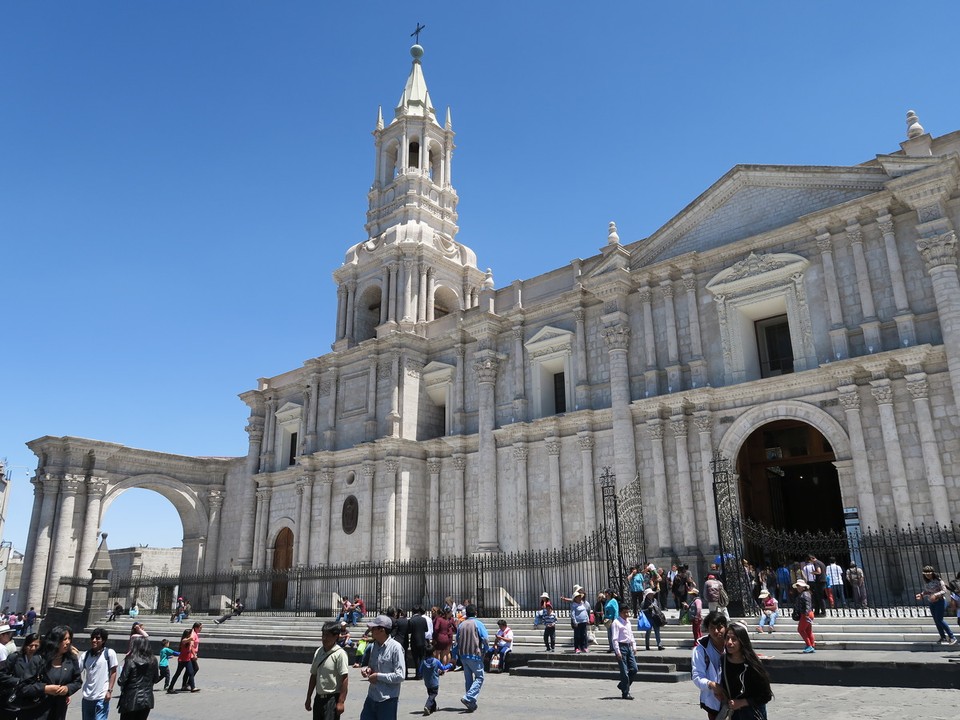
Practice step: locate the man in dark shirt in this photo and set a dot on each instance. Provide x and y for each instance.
(417, 629)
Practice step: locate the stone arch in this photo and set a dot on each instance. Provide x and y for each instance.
(445, 301)
(367, 312)
(189, 506)
(741, 428)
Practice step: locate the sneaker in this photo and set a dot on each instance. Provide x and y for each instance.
(427, 710)
(809, 649)
(942, 641)
(195, 690)
(952, 641)
(466, 703)
(660, 647)
(172, 691)
(628, 696)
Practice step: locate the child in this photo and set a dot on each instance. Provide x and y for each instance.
(430, 670)
(546, 617)
(165, 654)
(360, 657)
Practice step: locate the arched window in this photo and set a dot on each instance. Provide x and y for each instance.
(413, 156)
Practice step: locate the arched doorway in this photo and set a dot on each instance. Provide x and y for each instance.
(282, 560)
(788, 480)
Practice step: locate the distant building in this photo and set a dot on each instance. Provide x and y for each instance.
(804, 321)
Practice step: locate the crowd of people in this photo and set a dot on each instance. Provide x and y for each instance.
(38, 680)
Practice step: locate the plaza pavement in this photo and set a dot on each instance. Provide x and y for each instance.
(241, 689)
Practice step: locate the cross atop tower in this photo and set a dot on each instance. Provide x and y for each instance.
(416, 33)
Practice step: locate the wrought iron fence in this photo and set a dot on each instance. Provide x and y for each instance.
(503, 584)
(890, 558)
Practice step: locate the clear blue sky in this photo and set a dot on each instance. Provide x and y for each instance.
(179, 179)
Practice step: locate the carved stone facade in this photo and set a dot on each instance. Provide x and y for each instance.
(451, 417)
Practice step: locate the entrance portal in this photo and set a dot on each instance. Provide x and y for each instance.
(282, 560)
(788, 480)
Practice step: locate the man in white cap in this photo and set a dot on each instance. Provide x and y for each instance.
(6, 635)
(386, 670)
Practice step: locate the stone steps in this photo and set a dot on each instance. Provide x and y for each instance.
(867, 633)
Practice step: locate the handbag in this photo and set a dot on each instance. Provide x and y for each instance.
(723, 599)
(643, 622)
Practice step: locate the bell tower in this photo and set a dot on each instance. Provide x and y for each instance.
(410, 270)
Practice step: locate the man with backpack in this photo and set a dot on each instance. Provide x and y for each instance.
(706, 662)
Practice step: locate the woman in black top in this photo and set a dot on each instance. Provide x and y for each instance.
(140, 673)
(60, 673)
(27, 665)
(743, 678)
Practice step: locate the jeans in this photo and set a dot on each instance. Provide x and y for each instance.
(628, 666)
(472, 679)
(838, 595)
(384, 710)
(432, 693)
(550, 637)
(580, 636)
(185, 667)
(768, 620)
(655, 629)
(937, 609)
(98, 709)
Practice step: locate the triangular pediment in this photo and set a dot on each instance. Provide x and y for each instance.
(751, 200)
(548, 336)
(613, 258)
(288, 411)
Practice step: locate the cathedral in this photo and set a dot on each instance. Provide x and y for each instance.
(802, 321)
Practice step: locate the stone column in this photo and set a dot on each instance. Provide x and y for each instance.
(458, 390)
(431, 290)
(704, 429)
(305, 413)
(215, 502)
(40, 561)
(870, 324)
(698, 367)
(673, 344)
(313, 393)
(248, 512)
(519, 367)
(617, 339)
(322, 510)
(391, 510)
(649, 342)
(264, 495)
(655, 428)
(520, 453)
(685, 513)
(838, 333)
(582, 381)
(392, 311)
(904, 317)
(351, 310)
(31, 545)
(422, 295)
(330, 435)
(486, 367)
(304, 505)
(269, 436)
(96, 487)
(459, 515)
(883, 394)
(585, 440)
(920, 392)
(341, 312)
(63, 540)
(409, 266)
(939, 253)
(384, 293)
(369, 473)
(433, 508)
(850, 399)
(556, 513)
